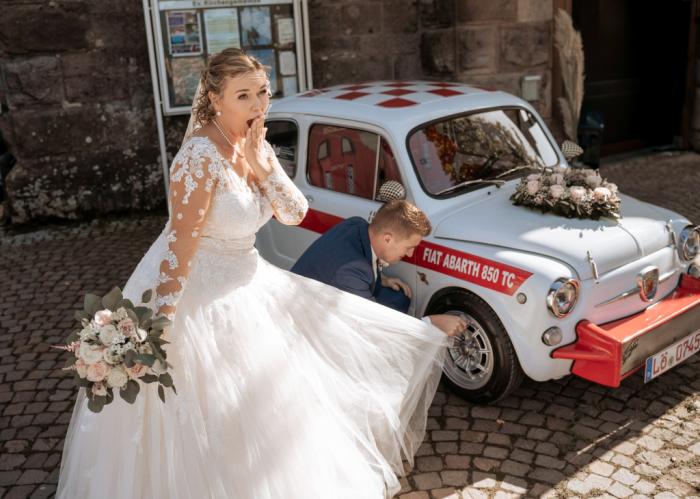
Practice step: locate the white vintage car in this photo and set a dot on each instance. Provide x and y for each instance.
(544, 295)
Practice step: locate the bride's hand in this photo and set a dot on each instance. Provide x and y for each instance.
(256, 153)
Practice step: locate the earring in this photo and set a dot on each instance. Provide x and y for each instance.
(218, 113)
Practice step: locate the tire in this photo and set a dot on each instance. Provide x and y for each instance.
(483, 366)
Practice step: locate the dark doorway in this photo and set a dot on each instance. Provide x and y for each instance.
(635, 65)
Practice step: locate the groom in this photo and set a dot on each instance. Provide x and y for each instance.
(351, 256)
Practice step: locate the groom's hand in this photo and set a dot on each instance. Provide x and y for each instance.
(396, 284)
(451, 325)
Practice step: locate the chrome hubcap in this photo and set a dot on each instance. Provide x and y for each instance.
(469, 360)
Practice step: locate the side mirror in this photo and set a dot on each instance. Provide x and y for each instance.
(391, 190)
(570, 149)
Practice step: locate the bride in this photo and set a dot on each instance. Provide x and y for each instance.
(287, 388)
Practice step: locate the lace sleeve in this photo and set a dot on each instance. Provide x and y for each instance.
(189, 196)
(288, 203)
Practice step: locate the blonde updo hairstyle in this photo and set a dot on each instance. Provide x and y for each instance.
(228, 63)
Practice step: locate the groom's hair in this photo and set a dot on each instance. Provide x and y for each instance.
(400, 216)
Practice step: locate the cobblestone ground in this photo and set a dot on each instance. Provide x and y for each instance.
(566, 438)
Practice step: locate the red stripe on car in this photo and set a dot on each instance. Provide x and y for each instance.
(465, 266)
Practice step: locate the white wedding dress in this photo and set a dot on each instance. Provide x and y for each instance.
(286, 387)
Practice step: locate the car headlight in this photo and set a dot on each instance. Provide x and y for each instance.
(562, 296)
(689, 243)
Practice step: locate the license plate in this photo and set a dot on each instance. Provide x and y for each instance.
(672, 356)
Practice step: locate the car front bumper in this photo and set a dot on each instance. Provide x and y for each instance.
(608, 353)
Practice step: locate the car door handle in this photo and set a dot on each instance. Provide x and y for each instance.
(310, 199)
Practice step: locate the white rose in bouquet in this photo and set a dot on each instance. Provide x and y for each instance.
(120, 314)
(534, 176)
(103, 317)
(90, 353)
(612, 187)
(556, 191)
(108, 334)
(559, 169)
(112, 355)
(577, 193)
(532, 187)
(97, 371)
(88, 333)
(81, 368)
(99, 389)
(601, 194)
(117, 377)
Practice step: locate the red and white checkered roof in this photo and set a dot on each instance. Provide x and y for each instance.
(393, 94)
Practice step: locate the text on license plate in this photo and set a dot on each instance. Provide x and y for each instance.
(672, 356)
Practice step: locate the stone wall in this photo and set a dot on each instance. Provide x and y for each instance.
(487, 43)
(77, 105)
(77, 108)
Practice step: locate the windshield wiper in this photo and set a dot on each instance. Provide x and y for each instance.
(495, 181)
(517, 168)
(470, 182)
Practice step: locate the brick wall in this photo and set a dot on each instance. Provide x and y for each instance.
(77, 106)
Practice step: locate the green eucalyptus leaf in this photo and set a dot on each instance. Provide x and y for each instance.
(129, 391)
(166, 380)
(129, 358)
(73, 337)
(71, 361)
(145, 359)
(80, 315)
(132, 315)
(91, 304)
(149, 378)
(144, 313)
(96, 403)
(126, 303)
(161, 393)
(174, 390)
(146, 296)
(111, 299)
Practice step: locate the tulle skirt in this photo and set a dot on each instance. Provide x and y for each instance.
(287, 388)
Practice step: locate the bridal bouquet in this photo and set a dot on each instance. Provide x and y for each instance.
(119, 345)
(570, 192)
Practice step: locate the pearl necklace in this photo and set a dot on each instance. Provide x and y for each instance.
(233, 146)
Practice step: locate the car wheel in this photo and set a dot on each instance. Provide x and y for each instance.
(481, 364)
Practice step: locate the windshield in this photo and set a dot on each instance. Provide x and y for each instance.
(478, 146)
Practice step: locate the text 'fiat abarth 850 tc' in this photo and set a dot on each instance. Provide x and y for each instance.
(554, 270)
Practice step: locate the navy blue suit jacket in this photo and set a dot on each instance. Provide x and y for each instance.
(342, 257)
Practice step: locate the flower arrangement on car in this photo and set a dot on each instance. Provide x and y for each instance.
(569, 192)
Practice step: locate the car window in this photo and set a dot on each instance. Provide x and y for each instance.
(478, 146)
(283, 135)
(349, 160)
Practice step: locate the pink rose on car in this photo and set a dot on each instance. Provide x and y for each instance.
(556, 191)
(577, 193)
(601, 194)
(532, 187)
